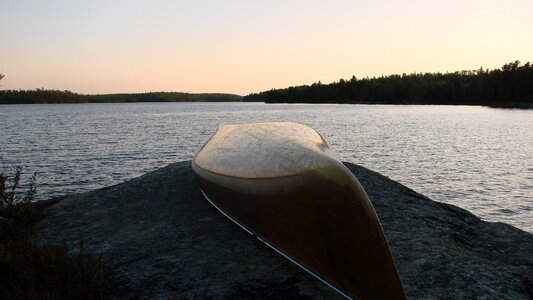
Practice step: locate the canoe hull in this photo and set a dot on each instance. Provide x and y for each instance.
(321, 219)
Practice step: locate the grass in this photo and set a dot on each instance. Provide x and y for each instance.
(29, 270)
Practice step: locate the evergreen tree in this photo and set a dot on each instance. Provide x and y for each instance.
(509, 86)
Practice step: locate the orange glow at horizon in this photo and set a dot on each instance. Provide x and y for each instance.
(240, 47)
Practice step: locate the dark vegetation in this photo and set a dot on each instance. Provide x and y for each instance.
(42, 96)
(29, 270)
(509, 86)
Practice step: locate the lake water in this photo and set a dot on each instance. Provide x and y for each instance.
(478, 158)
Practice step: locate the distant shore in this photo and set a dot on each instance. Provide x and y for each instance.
(66, 97)
(42, 96)
(510, 86)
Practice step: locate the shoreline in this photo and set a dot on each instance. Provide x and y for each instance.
(518, 106)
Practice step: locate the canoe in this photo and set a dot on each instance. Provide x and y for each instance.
(282, 183)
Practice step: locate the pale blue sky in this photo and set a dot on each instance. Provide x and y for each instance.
(241, 46)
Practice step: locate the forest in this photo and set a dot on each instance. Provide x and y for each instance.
(42, 96)
(509, 86)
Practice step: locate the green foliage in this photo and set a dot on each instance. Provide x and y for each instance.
(512, 85)
(29, 270)
(42, 96)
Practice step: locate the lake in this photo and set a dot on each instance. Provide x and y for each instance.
(477, 158)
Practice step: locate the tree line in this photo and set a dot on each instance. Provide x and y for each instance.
(43, 96)
(509, 86)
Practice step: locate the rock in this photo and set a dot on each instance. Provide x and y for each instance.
(162, 239)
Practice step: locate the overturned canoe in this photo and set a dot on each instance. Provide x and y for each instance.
(282, 183)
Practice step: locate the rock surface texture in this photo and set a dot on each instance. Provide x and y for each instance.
(162, 239)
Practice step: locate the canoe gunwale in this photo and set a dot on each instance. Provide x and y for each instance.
(266, 186)
(195, 165)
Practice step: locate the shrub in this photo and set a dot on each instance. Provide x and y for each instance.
(29, 270)
(15, 207)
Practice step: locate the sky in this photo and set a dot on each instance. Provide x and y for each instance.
(244, 46)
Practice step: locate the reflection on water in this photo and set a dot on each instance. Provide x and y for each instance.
(474, 157)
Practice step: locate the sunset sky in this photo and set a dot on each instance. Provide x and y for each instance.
(242, 46)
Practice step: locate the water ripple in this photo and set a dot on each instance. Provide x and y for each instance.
(475, 157)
